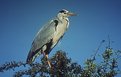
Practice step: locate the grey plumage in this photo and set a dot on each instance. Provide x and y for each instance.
(49, 35)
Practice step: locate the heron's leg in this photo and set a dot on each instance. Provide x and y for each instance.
(46, 55)
(48, 60)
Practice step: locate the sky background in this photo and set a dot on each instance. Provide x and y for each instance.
(20, 20)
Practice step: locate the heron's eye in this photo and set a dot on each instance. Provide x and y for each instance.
(64, 13)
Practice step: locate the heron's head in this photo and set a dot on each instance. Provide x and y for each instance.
(65, 13)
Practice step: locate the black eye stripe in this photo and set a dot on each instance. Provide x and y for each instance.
(62, 11)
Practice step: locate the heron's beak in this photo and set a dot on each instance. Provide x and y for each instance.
(71, 14)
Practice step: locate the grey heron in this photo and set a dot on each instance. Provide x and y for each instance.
(49, 35)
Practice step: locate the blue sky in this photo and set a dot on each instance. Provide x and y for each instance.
(20, 20)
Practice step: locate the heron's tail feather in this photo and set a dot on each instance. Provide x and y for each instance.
(32, 55)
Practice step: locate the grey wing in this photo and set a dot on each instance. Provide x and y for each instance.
(44, 35)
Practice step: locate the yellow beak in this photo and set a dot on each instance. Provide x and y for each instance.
(71, 14)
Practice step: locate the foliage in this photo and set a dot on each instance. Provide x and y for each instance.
(62, 66)
(108, 67)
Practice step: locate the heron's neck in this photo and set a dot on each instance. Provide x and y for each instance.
(64, 20)
(61, 18)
